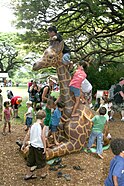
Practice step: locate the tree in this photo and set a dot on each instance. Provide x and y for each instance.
(93, 29)
(9, 59)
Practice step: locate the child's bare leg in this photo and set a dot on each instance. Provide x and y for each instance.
(75, 107)
(0, 117)
(9, 126)
(48, 144)
(4, 128)
(54, 137)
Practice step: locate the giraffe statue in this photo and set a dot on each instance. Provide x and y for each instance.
(76, 131)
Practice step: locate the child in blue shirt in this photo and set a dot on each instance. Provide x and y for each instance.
(55, 119)
(116, 171)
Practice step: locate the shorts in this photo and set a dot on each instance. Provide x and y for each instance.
(36, 157)
(118, 107)
(66, 59)
(28, 121)
(76, 91)
(53, 128)
(15, 106)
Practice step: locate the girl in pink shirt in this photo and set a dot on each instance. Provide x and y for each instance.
(75, 85)
(7, 116)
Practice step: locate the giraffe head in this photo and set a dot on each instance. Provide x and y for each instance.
(51, 56)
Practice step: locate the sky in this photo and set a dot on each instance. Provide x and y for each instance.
(6, 16)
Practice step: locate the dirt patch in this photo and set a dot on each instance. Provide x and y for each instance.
(93, 173)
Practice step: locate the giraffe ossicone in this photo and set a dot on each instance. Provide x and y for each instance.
(74, 133)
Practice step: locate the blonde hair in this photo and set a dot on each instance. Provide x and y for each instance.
(40, 114)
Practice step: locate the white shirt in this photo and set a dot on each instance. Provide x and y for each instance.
(30, 112)
(35, 136)
(86, 86)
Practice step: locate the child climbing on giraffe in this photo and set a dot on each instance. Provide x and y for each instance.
(75, 85)
(56, 36)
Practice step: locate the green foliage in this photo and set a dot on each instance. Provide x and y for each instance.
(103, 77)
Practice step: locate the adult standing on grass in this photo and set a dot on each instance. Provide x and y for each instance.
(15, 103)
(46, 91)
(118, 102)
(34, 89)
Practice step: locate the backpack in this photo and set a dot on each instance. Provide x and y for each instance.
(38, 95)
(9, 94)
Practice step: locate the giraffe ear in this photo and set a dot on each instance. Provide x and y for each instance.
(58, 46)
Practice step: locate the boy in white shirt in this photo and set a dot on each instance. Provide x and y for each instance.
(37, 149)
(29, 115)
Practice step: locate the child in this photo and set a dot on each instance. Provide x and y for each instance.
(7, 116)
(1, 105)
(29, 115)
(55, 36)
(55, 119)
(116, 171)
(37, 150)
(49, 106)
(97, 131)
(75, 85)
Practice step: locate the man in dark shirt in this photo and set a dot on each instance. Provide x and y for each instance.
(119, 97)
(55, 36)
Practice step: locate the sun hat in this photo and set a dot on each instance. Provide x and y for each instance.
(53, 80)
(29, 102)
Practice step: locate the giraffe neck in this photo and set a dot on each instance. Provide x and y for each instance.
(64, 80)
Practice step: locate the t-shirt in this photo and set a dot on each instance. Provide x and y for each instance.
(98, 123)
(7, 114)
(14, 99)
(48, 116)
(116, 169)
(77, 79)
(35, 135)
(86, 86)
(118, 99)
(55, 118)
(30, 112)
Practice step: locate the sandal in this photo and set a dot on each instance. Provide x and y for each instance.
(44, 175)
(77, 167)
(28, 177)
(33, 168)
(67, 177)
(59, 174)
(53, 168)
(62, 166)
